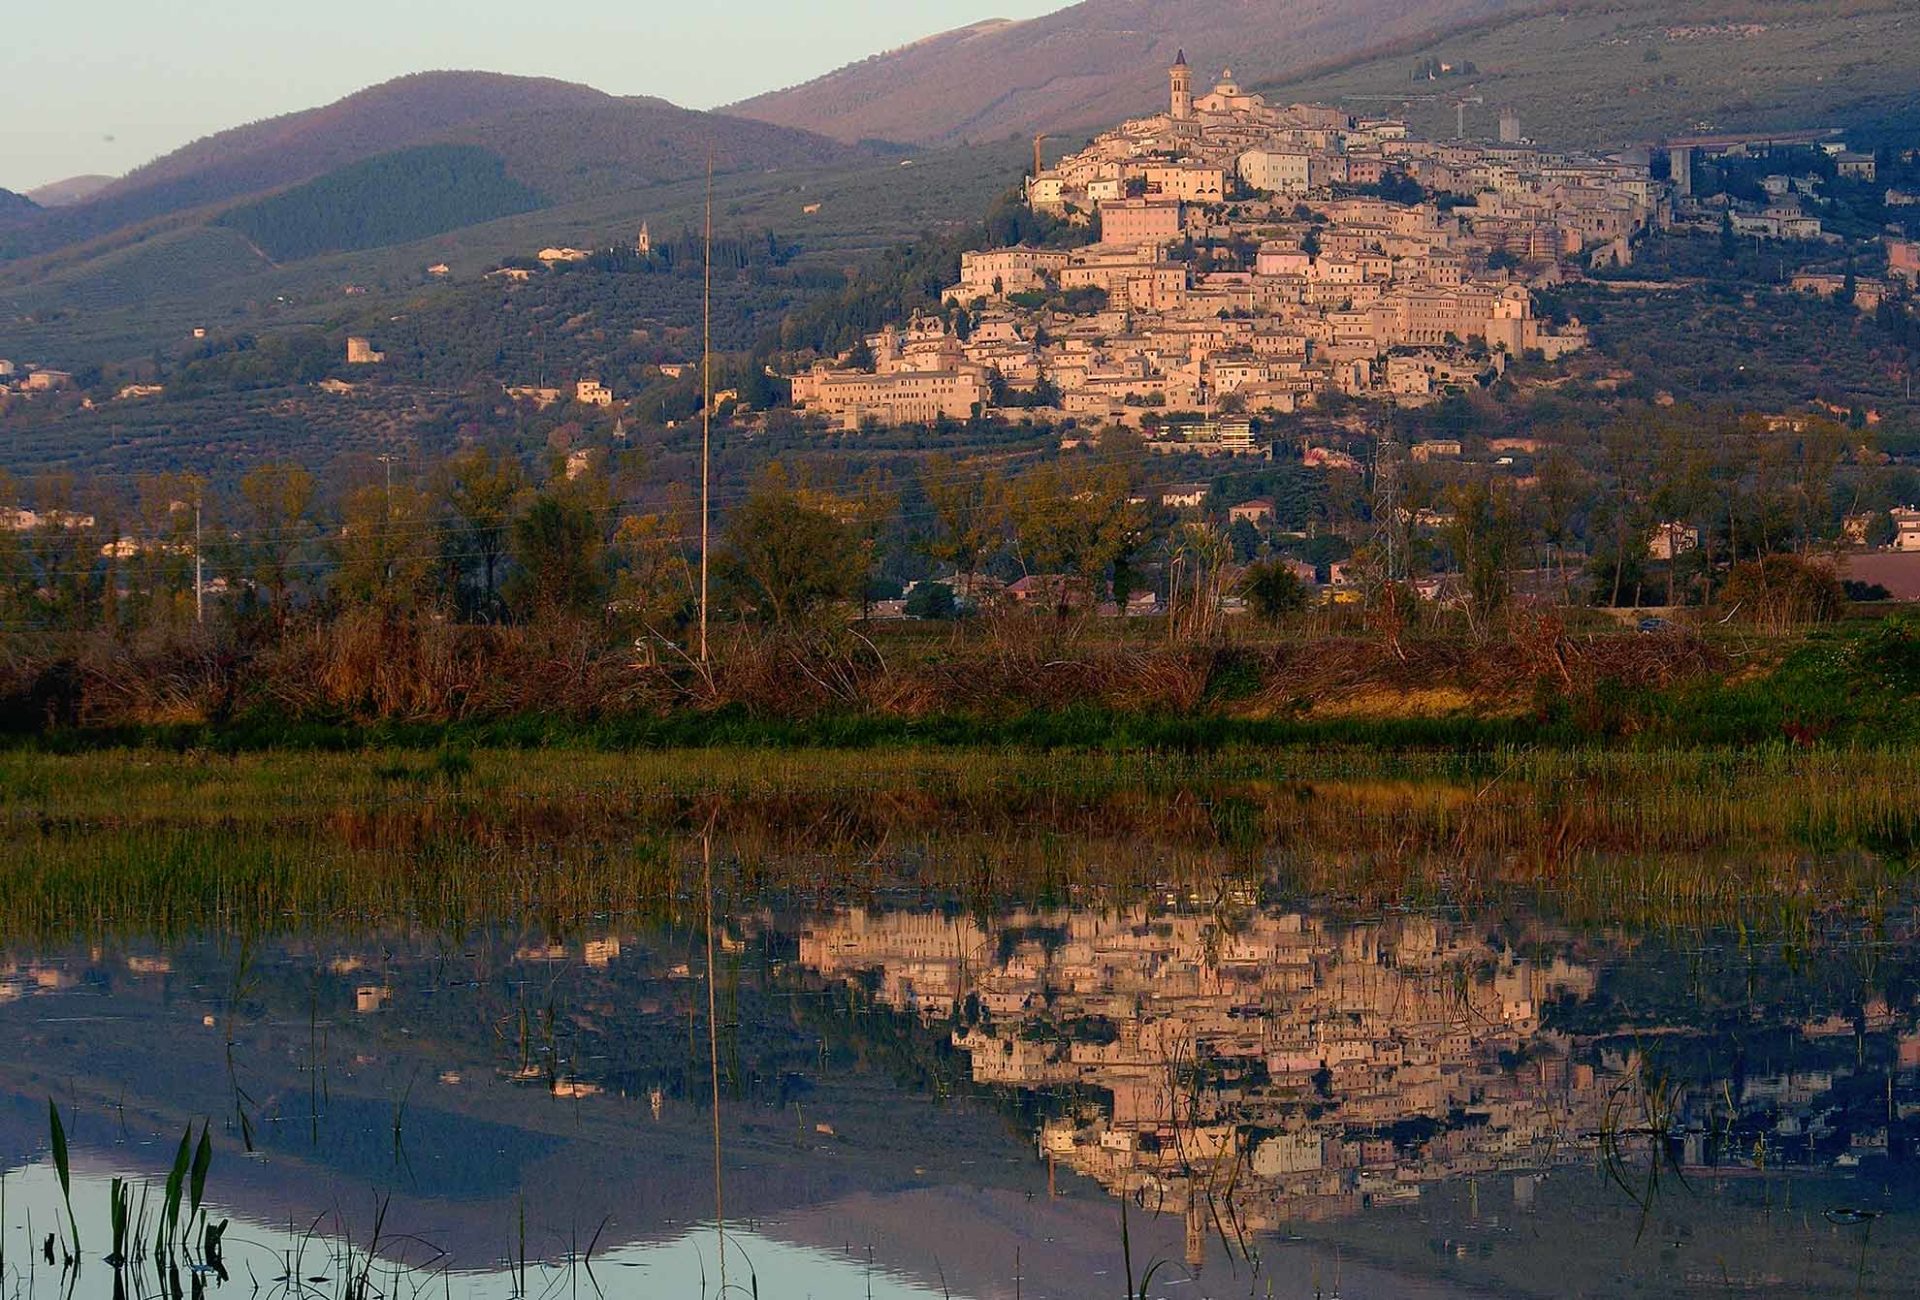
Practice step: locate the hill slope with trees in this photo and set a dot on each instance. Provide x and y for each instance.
(16, 207)
(1643, 70)
(391, 199)
(568, 142)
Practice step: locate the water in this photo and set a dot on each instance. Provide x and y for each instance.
(1288, 1099)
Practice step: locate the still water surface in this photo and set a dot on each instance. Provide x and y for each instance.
(1201, 1093)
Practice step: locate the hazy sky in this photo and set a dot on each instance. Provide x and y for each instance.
(104, 85)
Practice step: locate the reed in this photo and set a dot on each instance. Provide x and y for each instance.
(148, 843)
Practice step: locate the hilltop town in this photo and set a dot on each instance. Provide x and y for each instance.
(1231, 258)
(1243, 257)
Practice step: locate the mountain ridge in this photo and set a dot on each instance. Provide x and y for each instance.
(564, 140)
(1090, 65)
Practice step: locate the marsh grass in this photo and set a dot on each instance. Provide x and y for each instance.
(145, 842)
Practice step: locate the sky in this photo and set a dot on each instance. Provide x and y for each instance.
(101, 86)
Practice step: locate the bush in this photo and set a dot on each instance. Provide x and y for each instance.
(931, 600)
(1274, 590)
(1783, 591)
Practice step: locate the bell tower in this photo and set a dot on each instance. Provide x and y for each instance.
(1182, 78)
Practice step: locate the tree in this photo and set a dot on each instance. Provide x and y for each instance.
(968, 502)
(1274, 590)
(163, 552)
(16, 575)
(1073, 521)
(654, 584)
(63, 568)
(1245, 539)
(559, 558)
(1626, 514)
(275, 499)
(931, 600)
(1484, 534)
(1562, 489)
(788, 553)
(484, 491)
(386, 548)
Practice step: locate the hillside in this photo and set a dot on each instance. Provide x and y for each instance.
(568, 142)
(1093, 64)
(66, 193)
(1627, 71)
(392, 199)
(16, 207)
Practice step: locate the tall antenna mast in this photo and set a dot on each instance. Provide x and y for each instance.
(199, 567)
(706, 415)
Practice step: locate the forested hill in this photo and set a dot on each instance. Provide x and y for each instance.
(565, 141)
(1093, 64)
(392, 199)
(16, 207)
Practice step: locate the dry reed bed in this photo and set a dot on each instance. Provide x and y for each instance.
(363, 668)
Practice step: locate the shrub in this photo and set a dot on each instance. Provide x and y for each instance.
(1781, 591)
(1274, 590)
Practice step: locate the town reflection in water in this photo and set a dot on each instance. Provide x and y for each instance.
(1286, 1099)
(1254, 1070)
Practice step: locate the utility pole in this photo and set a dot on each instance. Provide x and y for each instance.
(386, 539)
(199, 568)
(706, 418)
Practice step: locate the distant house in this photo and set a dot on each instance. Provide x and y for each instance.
(1050, 591)
(591, 392)
(1328, 458)
(47, 381)
(1857, 166)
(134, 391)
(1672, 540)
(1906, 529)
(1436, 449)
(552, 255)
(1256, 512)
(1867, 294)
(360, 352)
(440, 270)
(540, 397)
(1903, 259)
(1183, 496)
